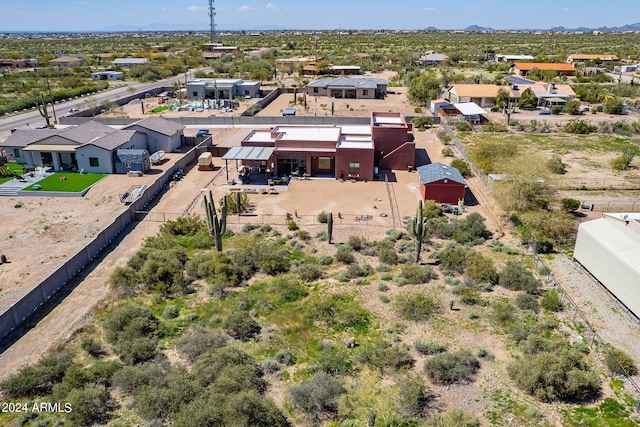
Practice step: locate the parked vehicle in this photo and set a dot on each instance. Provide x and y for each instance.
(203, 132)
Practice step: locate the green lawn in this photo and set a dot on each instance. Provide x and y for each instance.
(13, 167)
(74, 183)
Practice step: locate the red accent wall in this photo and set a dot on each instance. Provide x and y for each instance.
(441, 192)
(344, 156)
(400, 158)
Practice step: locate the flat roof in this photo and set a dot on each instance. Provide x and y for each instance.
(388, 120)
(365, 145)
(356, 130)
(248, 153)
(260, 136)
(290, 133)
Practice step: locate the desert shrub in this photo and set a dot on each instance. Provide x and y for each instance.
(344, 254)
(89, 405)
(470, 230)
(338, 311)
(229, 369)
(556, 109)
(296, 244)
(199, 340)
(620, 363)
(559, 374)
(462, 166)
(502, 312)
(431, 209)
(132, 320)
(308, 272)
(322, 217)
(291, 225)
(317, 395)
(417, 306)
(429, 348)
(579, 127)
(243, 409)
(556, 165)
(355, 270)
(569, 204)
(517, 277)
(37, 380)
(171, 311)
(417, 274)
(573, 107)
(394, 234)
(444, 136)
(185, 226)
(447, 152)
(387, 253)
(325, 259)
(448, 368)
(452, 418)
(285, 357)
(623, 161)
(543, 245)
(241, 326)
(136, 350)
(483, 353)
(382, 356)
(489, 155)
(494, 127)
(303, 235)
(422, 122)
(249, 227)
(322, 235)
(216, 267)
(166, 395)
(93, 347)
(414, 396)
(453, 258)
(269, 366)
(551, 301)
(463, 126)
(527, 302)
(356, 242)
(480, 268)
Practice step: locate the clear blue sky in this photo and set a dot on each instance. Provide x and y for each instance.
(71, 15)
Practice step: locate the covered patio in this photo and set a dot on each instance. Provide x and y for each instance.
(257, 157)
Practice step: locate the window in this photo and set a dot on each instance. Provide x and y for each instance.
(94, 162)
(354, 169)
(17, 152)
(246, 93)
(324, 162)
(195, 94)
(365, 92)
(127, 165)
(315, 90)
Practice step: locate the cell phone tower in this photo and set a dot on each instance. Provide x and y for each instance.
(212, 14)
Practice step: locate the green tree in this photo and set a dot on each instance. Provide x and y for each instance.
(573, 107)
(423, 89)
(528, 100)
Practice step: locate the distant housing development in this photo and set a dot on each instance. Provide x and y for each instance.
(129, 62)
(485, 94)
(343, 152)
(349, 88)
(581, 57)
(107, 75)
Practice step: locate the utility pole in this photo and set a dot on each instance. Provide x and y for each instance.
(212, 14)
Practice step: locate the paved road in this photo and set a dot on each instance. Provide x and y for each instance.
(34, 118)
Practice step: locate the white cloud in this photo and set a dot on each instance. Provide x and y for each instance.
(565, 9)
(195, 8)
(271, 6)
(245, 8)
(429, 8)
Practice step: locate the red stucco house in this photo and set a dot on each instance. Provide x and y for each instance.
(441, 183)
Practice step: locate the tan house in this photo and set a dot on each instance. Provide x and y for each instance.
(582, 57)
(349, 88)
(561, 68)
(483, 95)
(67, 62)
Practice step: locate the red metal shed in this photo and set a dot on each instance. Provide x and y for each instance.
(441, 183)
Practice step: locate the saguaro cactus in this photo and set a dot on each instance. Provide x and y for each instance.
(217, 227)
(42, 109)
(238, 200)
(330, 226)
(418, 229)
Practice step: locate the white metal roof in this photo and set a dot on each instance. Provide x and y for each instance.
(469, 108)
(248, 153)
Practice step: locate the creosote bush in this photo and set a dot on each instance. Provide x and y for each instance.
(417, 306)
(317, 395)
(448, 368)
(517, 277)
(620, 363)
(241, 326)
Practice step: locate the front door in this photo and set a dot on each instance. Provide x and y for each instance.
(47, 159)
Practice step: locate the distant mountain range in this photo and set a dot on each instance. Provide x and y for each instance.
(189, 27)
(628, 27)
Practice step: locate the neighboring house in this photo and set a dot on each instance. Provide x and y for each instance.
(18, 63)
(294, 62)
(162, 135)
(431, 57)
(343, 152)
(88, 146)
(482, 94)
(513, 58)
(609, 249)
(581, 57)
(67, 62)
(127, 160)
(550, 93)
(439, 104)
(441, 183)
(345, 69)
(349, 88)
(107, 75)
(222, 89)
(631, 68)
(129, 62)
(561, 68)
(216, 50)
